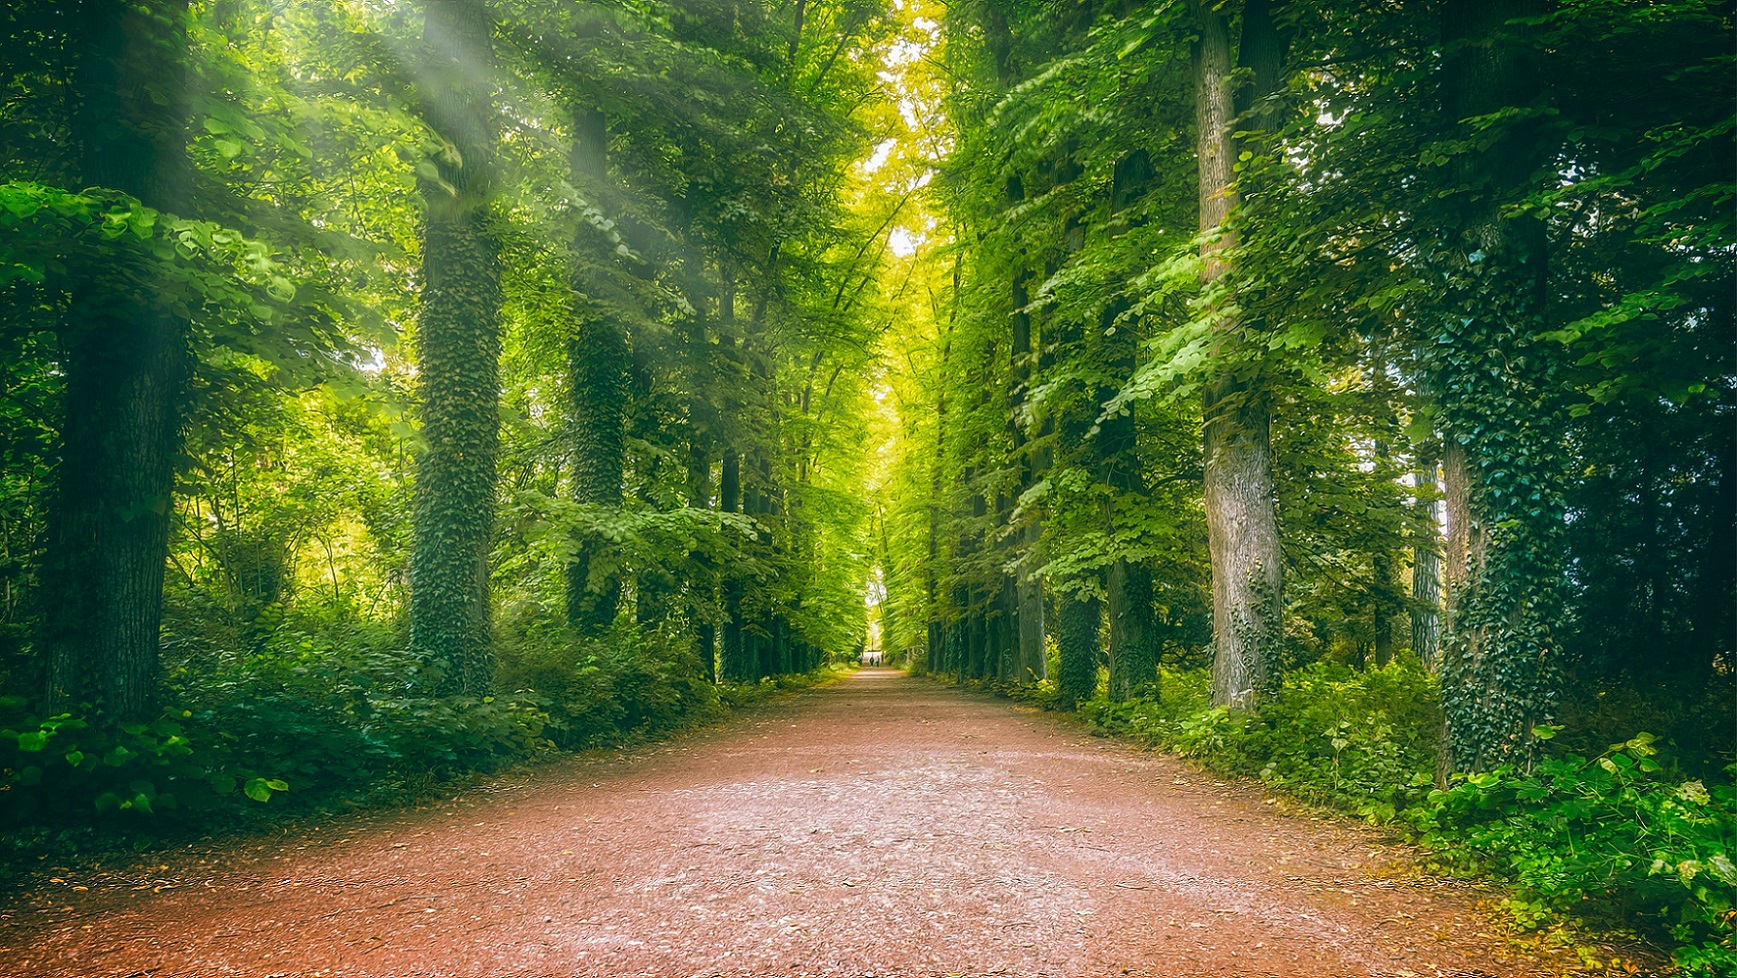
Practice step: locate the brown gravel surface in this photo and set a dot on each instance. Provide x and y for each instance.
(882, 826)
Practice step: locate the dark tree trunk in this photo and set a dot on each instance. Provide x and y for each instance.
(598, 362)
(1503, 471)
(733, 664)
(703, 587)
(125, 362)
(1426, 569)
(1077, 622)
(1128, 584)
(1133, 632)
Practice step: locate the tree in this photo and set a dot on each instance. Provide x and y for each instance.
(1500, 404)
(125, 361)
(458, 351)
(1241, 508)
(597, 365)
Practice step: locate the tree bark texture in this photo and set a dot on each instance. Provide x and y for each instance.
(1500, 409)
(1426, 570)
(125, 361)
(598, 364)
(458, 346)
(1077, 622)
(1241, 501)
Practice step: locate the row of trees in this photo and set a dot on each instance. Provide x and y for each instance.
(472, 320)
(1240, 303)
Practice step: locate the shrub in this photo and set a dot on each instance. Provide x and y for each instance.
(62, 769)
(1359, 740)
(1616, 837)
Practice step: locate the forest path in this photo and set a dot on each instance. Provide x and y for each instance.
(882, 826)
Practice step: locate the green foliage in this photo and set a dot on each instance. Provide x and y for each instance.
(64, 770)
(1618, 837)
(1359, 740)
(594, 690)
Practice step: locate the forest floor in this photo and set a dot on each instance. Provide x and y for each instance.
(881, 826)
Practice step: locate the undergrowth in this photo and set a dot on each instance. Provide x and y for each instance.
(1624, 838)
(317, 714)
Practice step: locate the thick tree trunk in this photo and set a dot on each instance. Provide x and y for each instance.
(598, 362)
(1077, 621)
(458, 351)
(1241, 501)
(1133, 633)
(125, 362)
(1128, 584)
(1504, 470)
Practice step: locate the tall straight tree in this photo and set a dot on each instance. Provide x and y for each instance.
(1495, 377)
(1128, 582)
(1241, 499)
(125, 361)
(597, 370)
(458, 350)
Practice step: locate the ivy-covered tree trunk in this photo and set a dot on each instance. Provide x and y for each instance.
(1128, 583)
(125, 360)
(1076, 639)
(598, 361)
(458, 346)
(1241, 499)
(1500, 406)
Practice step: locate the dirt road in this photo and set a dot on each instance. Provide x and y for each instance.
(883, 826)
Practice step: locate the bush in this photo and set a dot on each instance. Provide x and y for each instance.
(1619, 838)
(1363, 741)
(61, 769)
(1615, 837)
(595, 690)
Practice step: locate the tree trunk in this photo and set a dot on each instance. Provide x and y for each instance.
(125, 361)
(1133, 633)
(1384, 583)
(1241, 500)
(458, 354)
(1426, 570)
(598, 362)
(704, 585)
(1030, 659)
(733, 664)
(1128, 585)
(1077, 621)
(1504, 470)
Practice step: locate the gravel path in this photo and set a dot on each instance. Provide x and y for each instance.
(883, 826)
